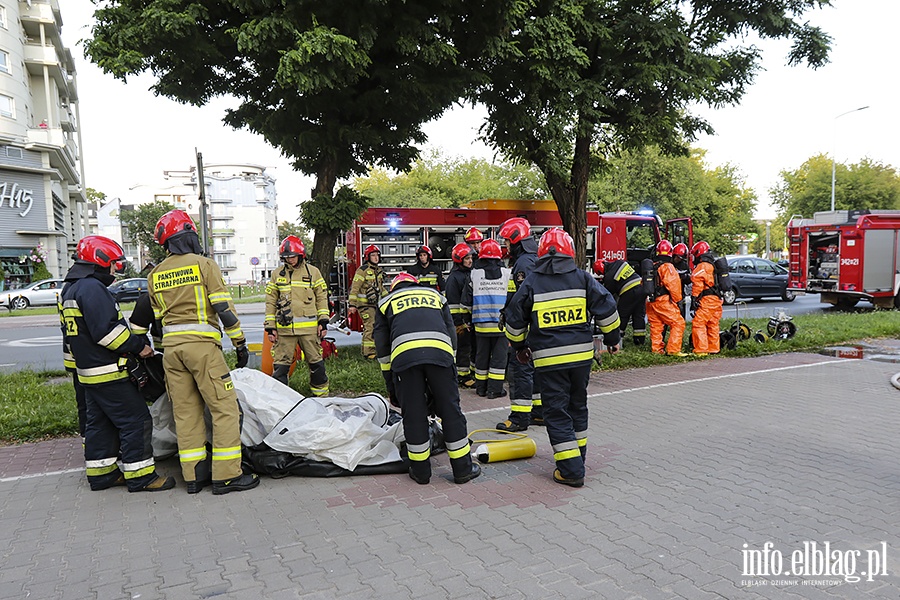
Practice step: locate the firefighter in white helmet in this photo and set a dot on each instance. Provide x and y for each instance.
(297, 313)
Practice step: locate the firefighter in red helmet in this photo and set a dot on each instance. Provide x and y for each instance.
(624, 283)
(663, 308)
(426, 271)
(549, 320)
(366, 289)
(458, 280)
(297, 313)
(415, 340)
(189, 298)
(706, 305)
(474, 238)
(118, 424)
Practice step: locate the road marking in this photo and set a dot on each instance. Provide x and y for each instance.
(8, 364)
(33, 475)
(37, 342)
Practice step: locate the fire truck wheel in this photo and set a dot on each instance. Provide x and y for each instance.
(897, 300)
(788, 295)
(847, 303)
(729, 297)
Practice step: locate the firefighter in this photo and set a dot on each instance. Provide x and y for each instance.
(426, 271)
(415, 339)
(624, 283)
(706, 304)
(72, 370)
(189, 298)
(549, 321)
(663, 308)
(366, 290)
(525, 392)
(297, 313)
(474, 238)
(457, 281)
(484, 297)
(118, 425)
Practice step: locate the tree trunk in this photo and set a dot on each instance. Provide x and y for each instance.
(571, 196)
(325, 241)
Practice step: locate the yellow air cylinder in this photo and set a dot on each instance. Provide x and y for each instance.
(496, 451)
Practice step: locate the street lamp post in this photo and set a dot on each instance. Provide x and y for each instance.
(834, 135)
(768, 254)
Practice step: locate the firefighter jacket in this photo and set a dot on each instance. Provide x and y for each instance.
(296, 299)
(95, 330)
(368, 286)
(428, 275)
(703, 279)
(457, 282)
(485, 295)
(413, 327)
(552, 311)
(522, 258)
(668, 283)
(188, 295)
(619, 277)
(68, 357)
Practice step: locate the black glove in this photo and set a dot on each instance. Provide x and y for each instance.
(243, 355)
(612, 338)
(681, 304)
(372, 295)
(523, 355)
(501, 322)
(695, 304)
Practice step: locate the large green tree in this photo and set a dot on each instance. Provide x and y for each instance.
(867, 184)
(717, 199)
(439, 181)
(336, 86)
(139, 226)
(572, 82)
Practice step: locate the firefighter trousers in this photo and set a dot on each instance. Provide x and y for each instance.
(662, 312)
(490, 363)
(632, 307)
(705, 326)
(284, 351)
(411, 385)
(564, 392)
(197, 377)
(118, 424)
(465, 354)
(367, 314)
(524, 391)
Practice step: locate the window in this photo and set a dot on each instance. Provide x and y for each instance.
(4, 62)
(3, 17)
(7, 107)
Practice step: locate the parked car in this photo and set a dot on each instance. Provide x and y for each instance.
(40, 293)
(128, 290)
(757, 278)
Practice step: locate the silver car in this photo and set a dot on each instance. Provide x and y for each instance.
(41, 293)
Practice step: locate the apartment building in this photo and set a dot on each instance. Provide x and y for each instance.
(42, 198)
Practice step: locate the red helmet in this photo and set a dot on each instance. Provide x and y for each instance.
(680, 249)
(369, 250)
(558, 241)
(515, 229)
(599, 267)
(489, 249)
(700, 248)
(171, 224)
(504, 252)
(101, 251)
(424, 249)
(292, 246)
(474, 235)
(460, 251)
(401, 277)
(664, 248)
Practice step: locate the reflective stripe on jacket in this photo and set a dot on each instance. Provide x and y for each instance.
(412, 327)
(488, 296)
(306, 296)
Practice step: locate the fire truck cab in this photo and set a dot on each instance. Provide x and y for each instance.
(398, 232)
(846, 256)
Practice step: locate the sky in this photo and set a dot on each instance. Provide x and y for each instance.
(130, 136)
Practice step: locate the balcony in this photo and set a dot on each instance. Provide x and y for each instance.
(224, 250)
(221, 232)
(37, 57)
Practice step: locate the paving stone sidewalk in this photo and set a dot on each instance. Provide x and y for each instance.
(687, 464)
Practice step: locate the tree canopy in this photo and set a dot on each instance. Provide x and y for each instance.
(573, 82)
(439, 181)
(139, 226)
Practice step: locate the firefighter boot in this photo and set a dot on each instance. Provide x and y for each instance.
(420, 471)
(464, 470)
(159, 484)
(514, 423)
(202, 476)
(246, 481)
(558, 478)
(466, 381)
(281, 373)
(318, 381)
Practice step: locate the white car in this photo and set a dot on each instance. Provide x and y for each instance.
(41, 293)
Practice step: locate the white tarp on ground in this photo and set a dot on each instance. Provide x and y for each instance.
(344, 431)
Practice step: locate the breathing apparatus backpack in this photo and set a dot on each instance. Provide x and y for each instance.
(648, 278)
(723, 276)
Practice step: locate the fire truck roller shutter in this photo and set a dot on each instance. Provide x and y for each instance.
(441, 245)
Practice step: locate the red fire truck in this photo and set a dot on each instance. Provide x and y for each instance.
(846, 256)
(399, 231)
